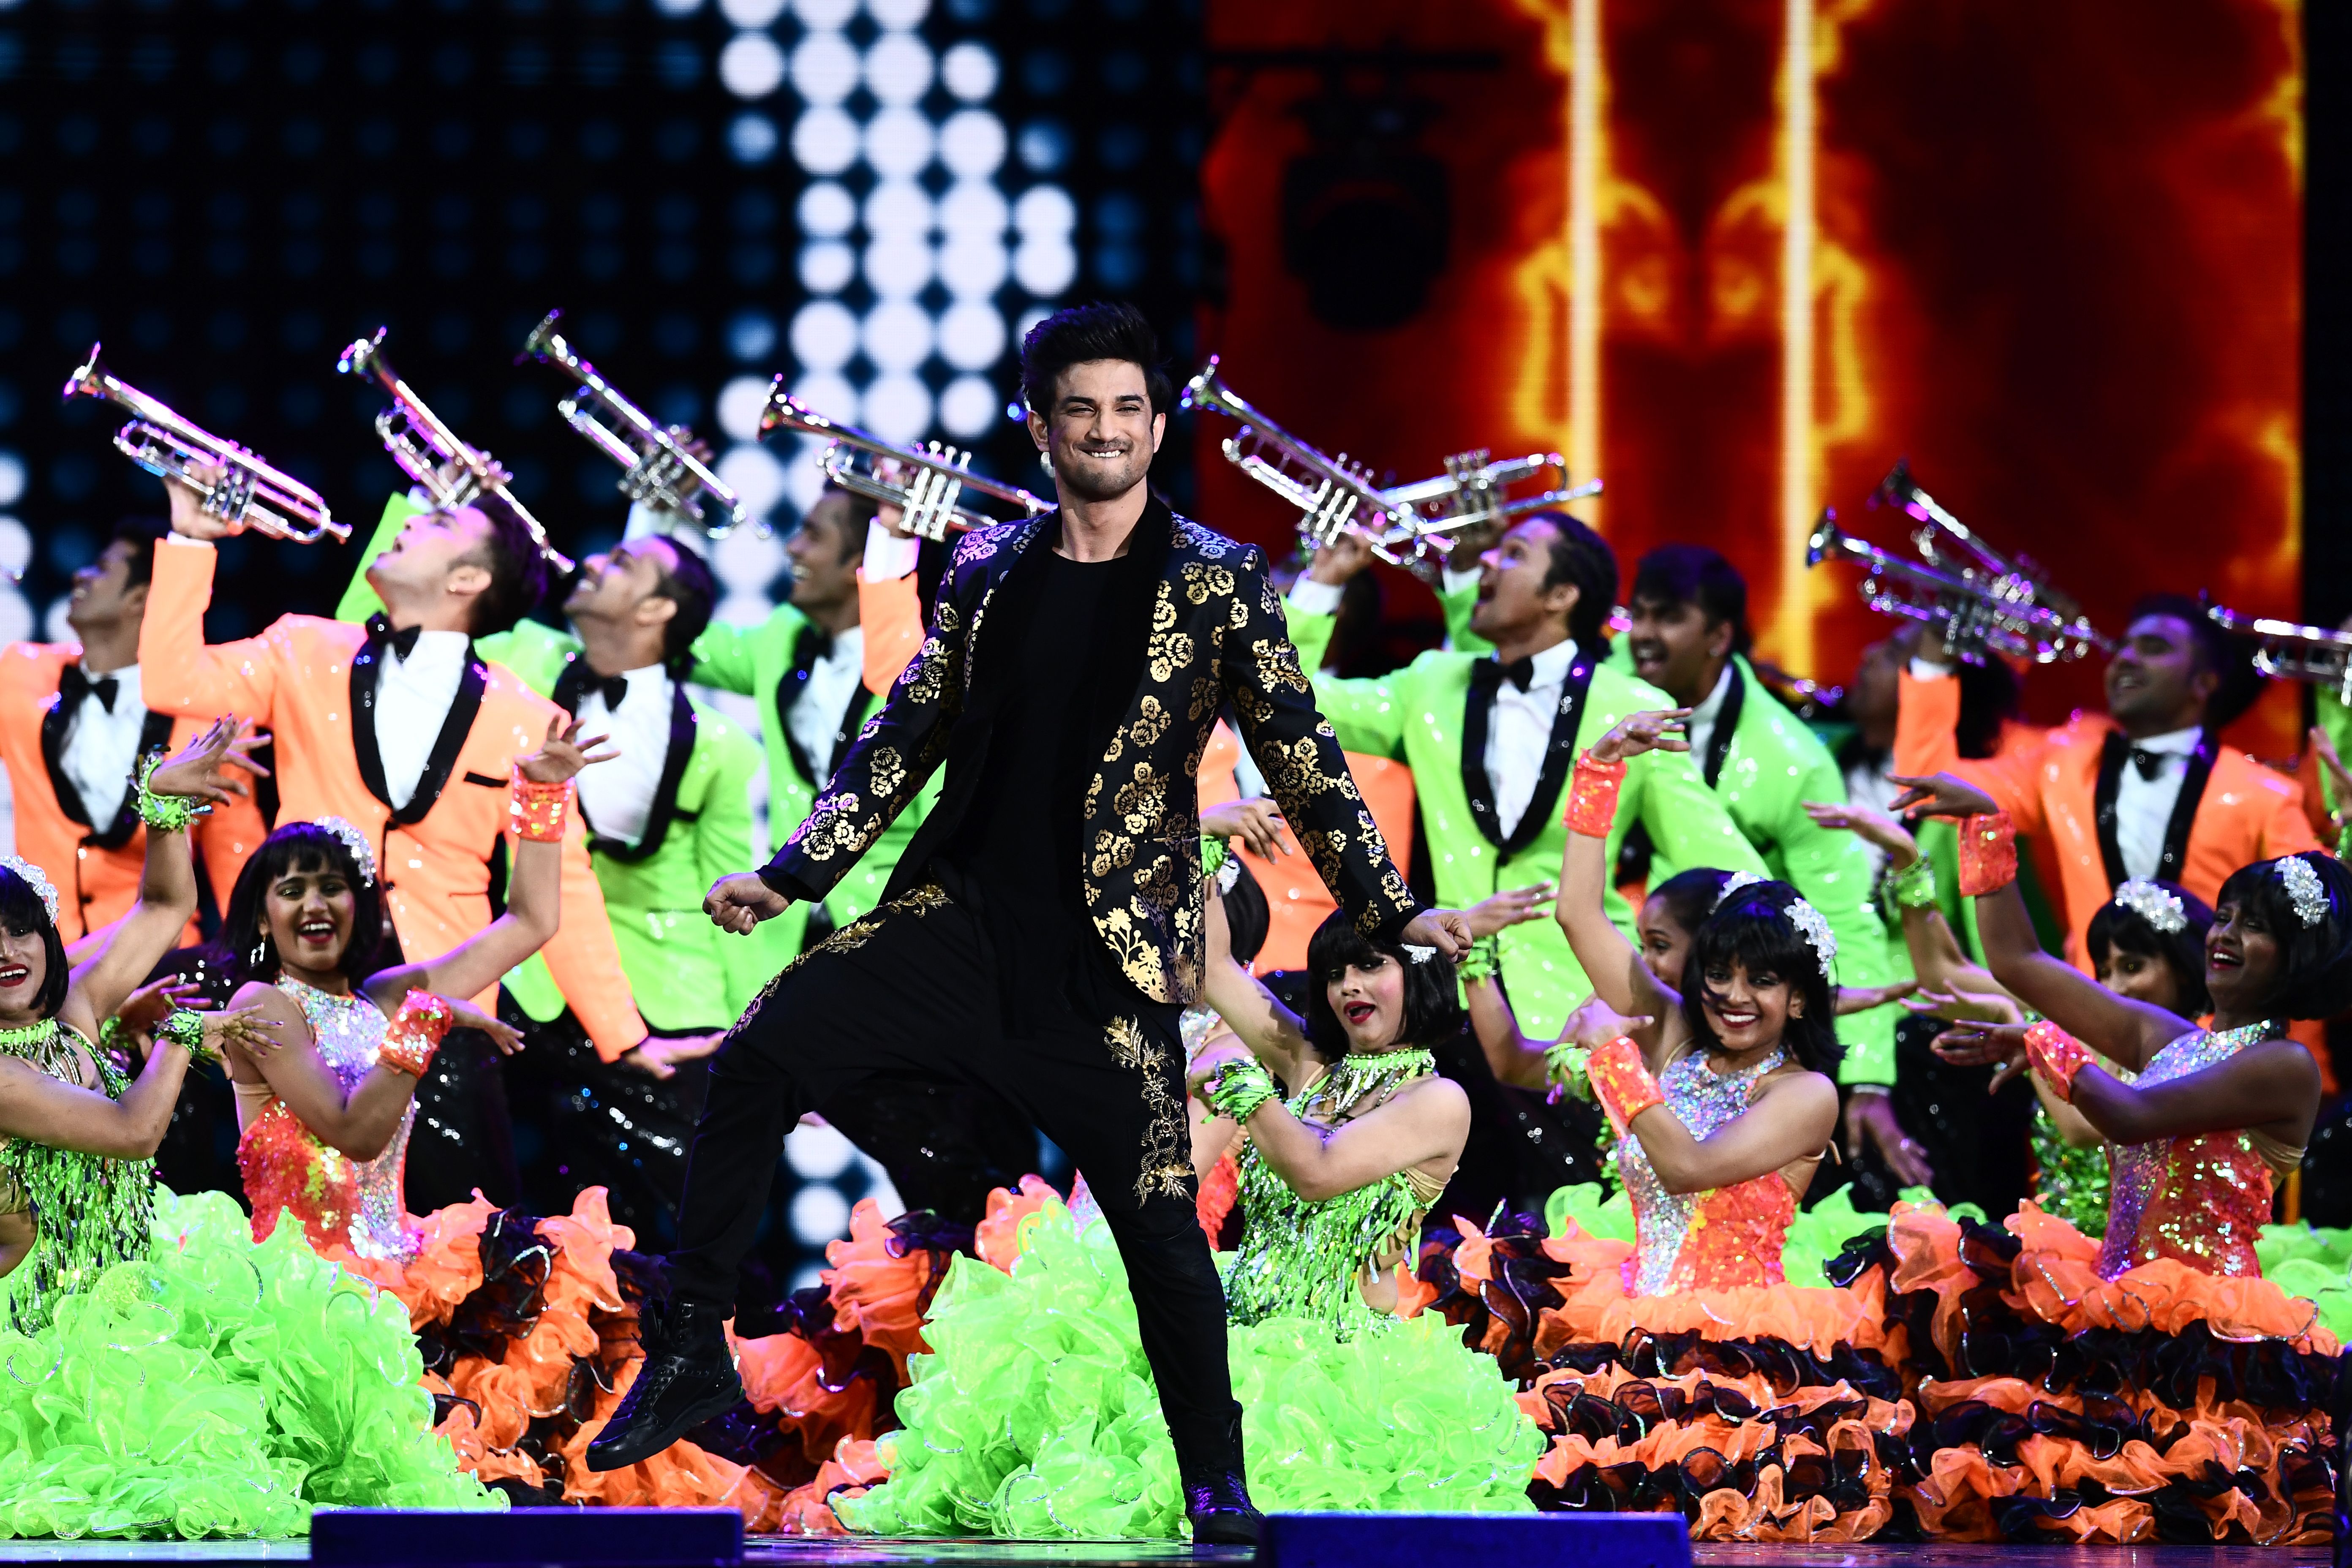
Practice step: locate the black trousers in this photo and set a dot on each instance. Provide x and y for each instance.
(464, 1139)
(912, 991)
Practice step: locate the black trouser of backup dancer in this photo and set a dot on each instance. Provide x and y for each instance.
(913, 989)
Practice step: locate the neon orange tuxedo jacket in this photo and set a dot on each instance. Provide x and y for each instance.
(295, 679)
(96, 865)
(2050, 789)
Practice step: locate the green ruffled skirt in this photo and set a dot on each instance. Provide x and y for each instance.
(1036, 1418)
(217, 1388)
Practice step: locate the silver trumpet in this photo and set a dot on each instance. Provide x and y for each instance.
(2294, 652)
(250, 492)
(933, 484)
(429, 452)
(1976, 611)
(1470, 491)
(1333, 496)
(658, 464)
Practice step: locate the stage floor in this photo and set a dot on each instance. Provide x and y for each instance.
(794, 1553)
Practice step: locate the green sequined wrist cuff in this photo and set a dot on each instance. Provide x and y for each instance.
(1212, 856)
(1564, 1068)
(1484, 961)
(1240, 1090)
(1914, 887)
(187, 1028)
(163, 812)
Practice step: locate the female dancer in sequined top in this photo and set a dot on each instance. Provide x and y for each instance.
(77, 1137)
(1336, 1175)
(2214, 1115)
(325, 1121)
(1726, 1137)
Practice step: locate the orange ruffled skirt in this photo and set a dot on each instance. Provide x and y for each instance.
(1771, 1412)
(2161, 1405)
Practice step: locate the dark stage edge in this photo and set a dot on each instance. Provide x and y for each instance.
(801, 1552)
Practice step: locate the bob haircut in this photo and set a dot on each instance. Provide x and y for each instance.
(299, 846)
(23, 913)
(2118, 929)
(1752, 929)
(2314, 961)
(1432, 1000)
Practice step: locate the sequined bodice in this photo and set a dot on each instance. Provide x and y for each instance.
(1300, 1258)
(341, 1201)
(1731, 1236)
(89, 1212)
(2201, 1199)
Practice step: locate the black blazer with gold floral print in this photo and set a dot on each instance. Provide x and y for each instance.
(1208, 630)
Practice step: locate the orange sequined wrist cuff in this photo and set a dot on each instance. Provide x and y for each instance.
(415, 1033)
(2057, 1056)
(1987, 853)
(1622, 1082)
(1592, 796)
(539, 810)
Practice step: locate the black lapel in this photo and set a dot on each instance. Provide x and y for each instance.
(664, 807)
(1727, 722)
(2184, 810)
(807, 643)
(1560, 754)
(54, 723)
(2115, 755)
(366, 670)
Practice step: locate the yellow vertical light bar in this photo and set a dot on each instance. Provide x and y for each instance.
(1793, 619)
(1584, 159)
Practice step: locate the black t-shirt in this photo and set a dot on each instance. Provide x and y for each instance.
(1018, 840)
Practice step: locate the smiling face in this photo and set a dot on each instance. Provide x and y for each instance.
(1747, 1012)
(2156, 682)
(23, 965)
(1368, 1001)
(2141, 978)
(2243, 961)
(1674, 648)
(1100, 432)
(1666, 944)
(103, 595)
(307, 911)
(823, 561)
(618, 585)
(1513, 603)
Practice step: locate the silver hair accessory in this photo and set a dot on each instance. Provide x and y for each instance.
(1417, 954)
(2304, 887)
(1229, 873)
(2163, 911)
(1732, 883)
(362, 852)
(1815, 928)
(36, 880)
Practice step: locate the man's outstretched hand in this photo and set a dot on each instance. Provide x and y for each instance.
(1448, 931)
(739, 902)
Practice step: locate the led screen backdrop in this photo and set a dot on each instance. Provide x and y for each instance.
(2050, 253)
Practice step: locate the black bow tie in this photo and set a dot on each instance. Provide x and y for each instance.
(578, 680)
(2149, 763)
(403, 643)
(1519, 672)
(73, 685)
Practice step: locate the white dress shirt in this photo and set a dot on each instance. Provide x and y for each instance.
(101, 747)
(1518, 734)
(1700, 725)
(2144, 806)
(618, 797)
(412, 702)
(832, 684)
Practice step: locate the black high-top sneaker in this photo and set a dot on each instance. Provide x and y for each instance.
(1216, 1492)
(688, 1378)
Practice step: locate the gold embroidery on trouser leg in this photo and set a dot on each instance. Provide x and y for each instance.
(1166, 1164)
(920, 901)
